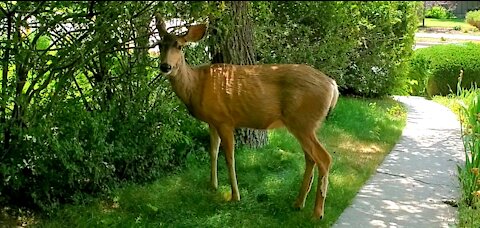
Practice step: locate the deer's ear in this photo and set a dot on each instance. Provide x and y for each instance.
(195, 33)
(160, 23)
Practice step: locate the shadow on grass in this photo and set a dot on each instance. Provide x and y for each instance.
(366, 122)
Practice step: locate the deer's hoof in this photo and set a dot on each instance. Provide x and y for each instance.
(214, 187)
(298, 206)
(317, 216)
(229, 197)
(235, 198)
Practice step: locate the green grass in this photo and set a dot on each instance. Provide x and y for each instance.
(447, 23)
(358, 135)
(456, 25)
(450, 102)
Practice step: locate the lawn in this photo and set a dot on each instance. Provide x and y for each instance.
(447, 23)
(432, 23)
(359, 134)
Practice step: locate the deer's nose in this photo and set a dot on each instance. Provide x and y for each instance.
(165, 68)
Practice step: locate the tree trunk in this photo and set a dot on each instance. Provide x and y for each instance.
(235, 45)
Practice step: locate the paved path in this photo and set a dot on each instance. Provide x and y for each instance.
(420, 173)
(454, 38)
(418, 45)
(447, 36)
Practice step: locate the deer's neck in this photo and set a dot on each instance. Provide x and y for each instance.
(183, 82)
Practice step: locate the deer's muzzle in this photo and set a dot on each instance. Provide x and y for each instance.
(165, 68)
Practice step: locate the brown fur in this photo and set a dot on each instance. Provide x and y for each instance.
(254, 96)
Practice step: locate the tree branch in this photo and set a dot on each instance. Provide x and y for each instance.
(85, 102)
(35, 11)
(144, 8)
(3, 11)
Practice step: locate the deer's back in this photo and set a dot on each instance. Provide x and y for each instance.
(258, 95)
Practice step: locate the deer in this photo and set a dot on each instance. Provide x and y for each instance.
(265, 96)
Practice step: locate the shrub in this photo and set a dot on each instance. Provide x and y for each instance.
(92, 122)
(436, 69)
(473, 18)
(364, 45)
(438, 12)
(72, 152)
(417, 75)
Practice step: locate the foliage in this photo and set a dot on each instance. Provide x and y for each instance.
(473, 18)
(83, 109)
(363, 45)
(420, 11)
(439, 12)
(448, 63)
(359, 134)
(418, 74)
(466, 105)
(436, 69)
(469, 117)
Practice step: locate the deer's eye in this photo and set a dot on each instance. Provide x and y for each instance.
(162, 46)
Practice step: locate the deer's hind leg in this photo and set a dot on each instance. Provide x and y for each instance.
(306, 183)
(324, 165)
(321, 158)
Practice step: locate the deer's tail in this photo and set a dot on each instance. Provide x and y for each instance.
(334, 100)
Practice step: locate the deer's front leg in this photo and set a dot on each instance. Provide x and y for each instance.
(214, 145)
(226, 135)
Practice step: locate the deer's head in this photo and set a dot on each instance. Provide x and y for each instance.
(171, 55)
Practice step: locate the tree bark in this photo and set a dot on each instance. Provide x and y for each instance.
(235, 45)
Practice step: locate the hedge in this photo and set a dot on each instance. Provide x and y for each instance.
(473, 18)
(437, 68)
(364, 46)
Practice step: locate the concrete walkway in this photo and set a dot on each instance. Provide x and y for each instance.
(417, 177)
(452, 39)
(447, 36)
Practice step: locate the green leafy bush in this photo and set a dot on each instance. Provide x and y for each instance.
(99, 115)
(436, 69)
(71, 152)
(473, 18)
(439, 12)
(363, 45)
